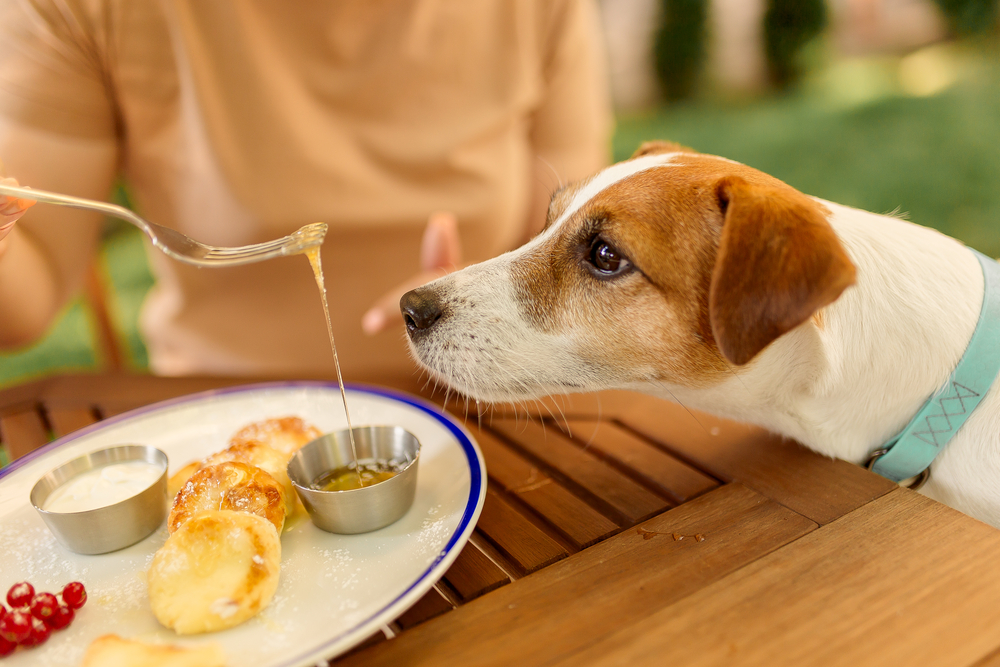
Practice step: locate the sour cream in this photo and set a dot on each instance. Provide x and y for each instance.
(104, 486)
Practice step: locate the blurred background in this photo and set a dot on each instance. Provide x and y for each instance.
(886, 105)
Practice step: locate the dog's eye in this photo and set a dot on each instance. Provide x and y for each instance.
(606, 258)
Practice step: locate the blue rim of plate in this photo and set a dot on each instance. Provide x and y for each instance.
(473, 458)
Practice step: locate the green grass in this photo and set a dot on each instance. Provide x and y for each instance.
(851, 135)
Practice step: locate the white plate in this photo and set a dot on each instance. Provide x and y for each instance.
(335, 590)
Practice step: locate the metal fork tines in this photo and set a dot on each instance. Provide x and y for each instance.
(181, 247)
(295, 243)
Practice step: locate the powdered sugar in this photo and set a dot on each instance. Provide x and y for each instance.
(224, 607)
(29, 549)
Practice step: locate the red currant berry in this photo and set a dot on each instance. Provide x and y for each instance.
(3, 611)
(6, 647)
(61, 618)
(20, 594)
(39, 633)
(44, 605)
(74, 594)
(15, 626)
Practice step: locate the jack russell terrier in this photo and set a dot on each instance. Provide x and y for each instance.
(700, 280)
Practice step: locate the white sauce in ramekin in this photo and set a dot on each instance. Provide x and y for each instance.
(103, 486)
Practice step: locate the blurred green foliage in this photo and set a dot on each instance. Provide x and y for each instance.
(789, 25)
(679, 46)
(680, 42)
(970, 17)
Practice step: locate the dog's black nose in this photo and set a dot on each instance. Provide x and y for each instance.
(421, 309)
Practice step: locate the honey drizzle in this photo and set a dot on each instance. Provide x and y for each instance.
(317, 267)
(342, 479)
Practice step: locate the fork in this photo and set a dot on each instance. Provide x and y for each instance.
(181, 247)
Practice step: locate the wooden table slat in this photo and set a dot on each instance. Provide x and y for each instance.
(473, 573)
(617, 495)
(579, 523)
(889, 578)
(430, 605)
(624, 578)
(23, 432)
(65, 420)
(812, 485)
(113, 409)
(667, 474)
(896, 582)
(377, 637)
(516, 537)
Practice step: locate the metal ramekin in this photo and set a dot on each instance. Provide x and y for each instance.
(114, 526)
(368, 508)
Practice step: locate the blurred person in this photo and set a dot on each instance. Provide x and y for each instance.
(424, 132)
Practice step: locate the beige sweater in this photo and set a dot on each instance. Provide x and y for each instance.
(238, 121)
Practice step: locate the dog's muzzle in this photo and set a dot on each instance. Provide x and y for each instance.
(421, 309)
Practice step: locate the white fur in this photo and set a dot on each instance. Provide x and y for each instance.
(841, 389)
(497, 357)
(886, 344)
(605, 179)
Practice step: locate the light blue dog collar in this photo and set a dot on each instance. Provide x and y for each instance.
(911, 453)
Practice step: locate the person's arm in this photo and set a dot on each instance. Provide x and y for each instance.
(58, 132)
(11, 210)
(44, 256)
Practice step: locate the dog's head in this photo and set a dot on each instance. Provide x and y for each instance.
(669, 267)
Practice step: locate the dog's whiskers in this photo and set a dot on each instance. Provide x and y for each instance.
(593, 435)
(732, 369)
(519, 385)
(562, 413)
(537, 401)
(688, 410)
(554, 171)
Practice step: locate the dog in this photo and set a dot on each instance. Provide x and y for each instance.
(703, 281)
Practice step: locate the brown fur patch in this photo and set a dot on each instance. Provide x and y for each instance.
(726, 259)
(779, 262)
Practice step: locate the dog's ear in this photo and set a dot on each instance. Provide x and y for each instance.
(654, 147)
(779, 261)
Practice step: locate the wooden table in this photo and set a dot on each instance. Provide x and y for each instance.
(619, 529)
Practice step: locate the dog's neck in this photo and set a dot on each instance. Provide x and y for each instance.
(852, 377)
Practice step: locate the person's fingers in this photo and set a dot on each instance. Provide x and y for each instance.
(385, 311)
(374, 320)
(440, 253)
(440, 247)
(5, 226)
(16, 206)
(12, 208)
(11, 214)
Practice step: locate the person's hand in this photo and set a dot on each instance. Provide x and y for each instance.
(440, 253)
(11, 208)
